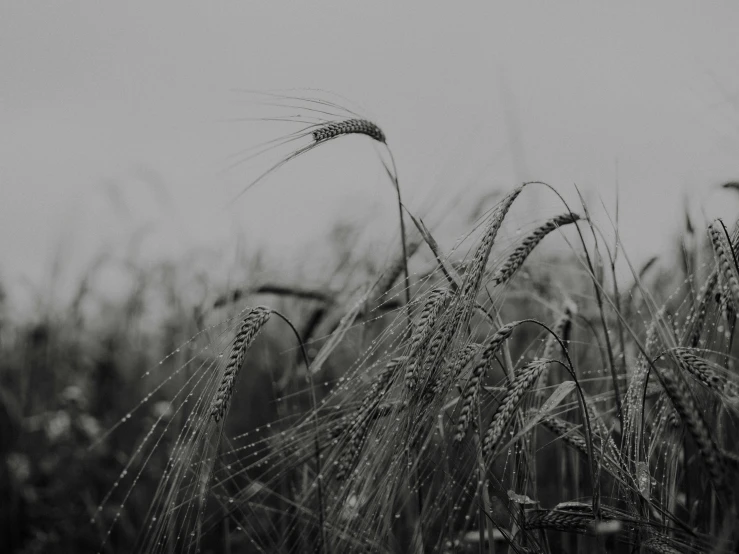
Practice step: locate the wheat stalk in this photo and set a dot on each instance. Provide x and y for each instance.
(250, 327)
(519, 255)
(472, 388)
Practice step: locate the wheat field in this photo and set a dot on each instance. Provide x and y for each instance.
(499, 397)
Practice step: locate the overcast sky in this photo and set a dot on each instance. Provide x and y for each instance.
(113, 116)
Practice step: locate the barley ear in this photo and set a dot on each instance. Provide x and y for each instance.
(250, 327)
(562, 330)
(349, 127)
(725, 259)
(434, 305)
(523, 381)
(472, 387)
(519, 255)
(685, 405)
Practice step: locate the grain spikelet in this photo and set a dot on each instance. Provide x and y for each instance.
(725, 259)
(660, 546)
(434, 305)
(559, 520)
(357, 437)
(474, 382)
(633, 406)
(701, 370)
(567, 432)
(358, 431)
(367, 412)
(381, 383)
(465, 297)
(452, 370)
(250, 327)
(684, 403)
(433, 354)
(601, 435)
(562, 329)
(575, 517)
(473, 277)
(523, 381)
(348, 127)
(572, 437)
(701, 310)
(519, 255)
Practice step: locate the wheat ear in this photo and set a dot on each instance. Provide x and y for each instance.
(473, 277)
(519, 255)
(452, 370)
(381, 383)
(465, 297)
(700, 369)
(472, 388)
(684, 403)
(562, 330)
(359, 428)
(348, 127)
(572, 437)
(701, 310)
(250, 327)
(521, 383)
(660, 546)
(559, 520)
(725, 259)
(434, 305)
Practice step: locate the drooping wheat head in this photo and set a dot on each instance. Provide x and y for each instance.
(474, 382)
(348, 127)
(685, 405)
(522, 382)
(702, 371)
(250, 327)
(434, 305)
(382, 382)
(519, 255)
(452, 370)
(725, 259)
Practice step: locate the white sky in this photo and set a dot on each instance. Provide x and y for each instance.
(102, 99)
